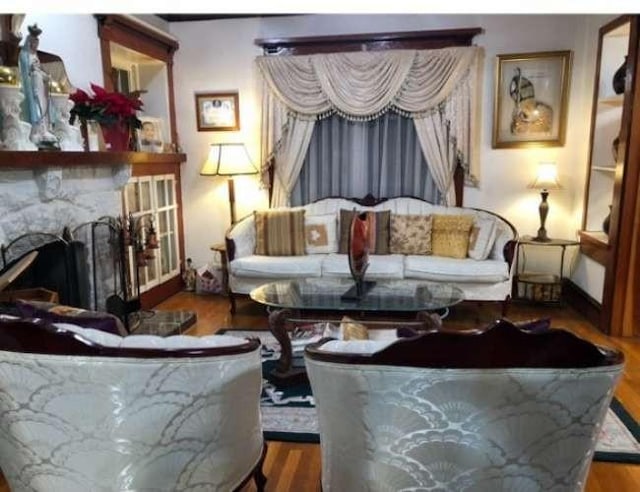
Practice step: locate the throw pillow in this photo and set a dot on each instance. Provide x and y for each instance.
(450, 235)
(481, 238)
(320, 234)
(410, 234)
(58, 313)
(352, 330)
(280, 232)
(378, 231)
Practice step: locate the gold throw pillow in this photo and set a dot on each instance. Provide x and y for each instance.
(352, 330)
(450, 235)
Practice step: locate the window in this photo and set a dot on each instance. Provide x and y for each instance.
(152, 199)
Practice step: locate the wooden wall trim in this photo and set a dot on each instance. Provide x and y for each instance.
(368, 42)
(583, 303)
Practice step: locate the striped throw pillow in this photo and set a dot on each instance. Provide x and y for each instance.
(280, 232)
(378, 231)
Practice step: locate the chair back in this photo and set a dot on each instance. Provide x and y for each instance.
(484, 411)
(76, 415)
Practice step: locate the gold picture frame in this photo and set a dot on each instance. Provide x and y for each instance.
(217, 111)
(531, 99)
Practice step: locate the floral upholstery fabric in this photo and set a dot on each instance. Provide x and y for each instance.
(410, 234)
(408, 429)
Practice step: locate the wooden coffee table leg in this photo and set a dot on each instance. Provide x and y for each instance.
(284, 373)
(278, 327)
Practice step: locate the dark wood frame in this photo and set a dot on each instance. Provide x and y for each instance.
(498, 346)
(620, 312)
(136, 36)
(199, 96)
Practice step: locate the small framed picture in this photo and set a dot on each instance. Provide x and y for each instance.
(150, 136)
(217, 111)
(531, 96)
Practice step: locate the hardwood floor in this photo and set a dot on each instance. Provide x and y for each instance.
(295, 467)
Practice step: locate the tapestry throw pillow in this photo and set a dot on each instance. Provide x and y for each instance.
(481, 238)
(450, 235)
(379, 223)
(280, 232)
(352, 330)
(410, 234)
(320, 234)
(58, 313)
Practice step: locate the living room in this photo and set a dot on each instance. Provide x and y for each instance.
(216, 56)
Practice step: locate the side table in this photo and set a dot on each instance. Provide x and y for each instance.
(540, 286)
(221, 248)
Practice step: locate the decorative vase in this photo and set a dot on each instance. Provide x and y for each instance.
(619, 78)
(116, 136)
(606, 222)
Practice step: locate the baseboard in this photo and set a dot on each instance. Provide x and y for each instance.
(582, 302)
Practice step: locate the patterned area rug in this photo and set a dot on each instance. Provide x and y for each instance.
(288, 414)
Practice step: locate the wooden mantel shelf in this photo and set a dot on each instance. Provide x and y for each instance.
(27, 159)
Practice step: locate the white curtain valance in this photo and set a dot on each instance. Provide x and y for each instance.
(440, 86)
(362, 84)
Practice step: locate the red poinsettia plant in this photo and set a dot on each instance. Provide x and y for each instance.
(107, 108)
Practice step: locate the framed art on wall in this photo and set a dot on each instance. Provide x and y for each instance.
(530, 101)
(217, 111)
(150, 136)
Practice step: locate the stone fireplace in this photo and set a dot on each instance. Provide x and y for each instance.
(43, 200)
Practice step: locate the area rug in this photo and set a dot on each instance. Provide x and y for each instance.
(288, 414)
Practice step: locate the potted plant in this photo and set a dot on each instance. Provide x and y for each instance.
(114, 111)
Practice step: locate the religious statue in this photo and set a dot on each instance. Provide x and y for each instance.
(36, 85)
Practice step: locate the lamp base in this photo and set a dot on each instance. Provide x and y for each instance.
(542, 236)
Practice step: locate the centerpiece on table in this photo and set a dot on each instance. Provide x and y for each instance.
(114, 111)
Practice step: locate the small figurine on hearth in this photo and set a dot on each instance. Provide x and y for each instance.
(189, 276)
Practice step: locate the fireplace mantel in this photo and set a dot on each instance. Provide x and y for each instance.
(29, 160)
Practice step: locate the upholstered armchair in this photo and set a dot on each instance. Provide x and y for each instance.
(83, 410)
(492, 411)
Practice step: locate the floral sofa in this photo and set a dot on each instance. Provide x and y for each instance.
(486, 279)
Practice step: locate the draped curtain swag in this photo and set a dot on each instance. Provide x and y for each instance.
(437, 88)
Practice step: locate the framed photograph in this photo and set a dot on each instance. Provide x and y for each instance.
(150, 137)
(531, 96)
(217, 111)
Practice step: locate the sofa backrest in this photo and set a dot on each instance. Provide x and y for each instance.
(244, 236)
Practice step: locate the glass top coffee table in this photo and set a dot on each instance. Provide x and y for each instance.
(290, 298)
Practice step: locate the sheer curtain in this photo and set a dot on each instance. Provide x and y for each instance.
(348, 158)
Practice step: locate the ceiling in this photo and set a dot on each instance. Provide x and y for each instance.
(203, 17)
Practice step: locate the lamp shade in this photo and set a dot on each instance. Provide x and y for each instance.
(547, 177)
(228, 159)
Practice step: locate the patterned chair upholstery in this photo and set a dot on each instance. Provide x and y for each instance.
(82, 410)
(501, 410)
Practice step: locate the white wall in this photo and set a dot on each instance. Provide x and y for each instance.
(218, 56)
(75, 39)
(224, 62)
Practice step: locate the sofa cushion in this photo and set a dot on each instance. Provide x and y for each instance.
(378, 231)
(276, 267)
(445, 269)
(280, 232)
(380, 266)
(481, 238)
(410, 234)
(320, 233)
(450, 235)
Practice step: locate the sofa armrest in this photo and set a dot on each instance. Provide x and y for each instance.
(509, 252)
(241, 239)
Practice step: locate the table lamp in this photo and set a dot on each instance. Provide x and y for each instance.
(546, 179)
(228, 159)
